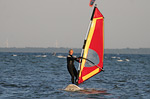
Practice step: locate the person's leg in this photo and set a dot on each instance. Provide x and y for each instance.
(71, 71)
(75, 74)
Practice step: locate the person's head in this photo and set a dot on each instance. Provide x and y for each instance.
(71, 51)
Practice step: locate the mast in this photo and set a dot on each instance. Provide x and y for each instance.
(87, 34)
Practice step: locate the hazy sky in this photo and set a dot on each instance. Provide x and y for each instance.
(42, 23)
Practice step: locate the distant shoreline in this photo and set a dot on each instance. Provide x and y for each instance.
(76, 50)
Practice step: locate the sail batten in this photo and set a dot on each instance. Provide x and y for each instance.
(94, 42)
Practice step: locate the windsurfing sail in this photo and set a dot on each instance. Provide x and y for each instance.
(91, 3)
(94, 43)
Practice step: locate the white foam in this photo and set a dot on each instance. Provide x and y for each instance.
(120, 60)
(60, 56)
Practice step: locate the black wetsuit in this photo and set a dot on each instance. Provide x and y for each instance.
(70, 65)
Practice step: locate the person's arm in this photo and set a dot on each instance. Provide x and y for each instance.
(70, 57)
(78, 59)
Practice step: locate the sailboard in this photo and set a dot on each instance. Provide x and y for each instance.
(73, 87)
(93, 43)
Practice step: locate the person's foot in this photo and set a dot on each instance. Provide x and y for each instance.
(76, 81)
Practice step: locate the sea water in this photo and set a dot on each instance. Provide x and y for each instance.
(44, 76)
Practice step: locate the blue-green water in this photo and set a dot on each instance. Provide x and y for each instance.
(43, 76)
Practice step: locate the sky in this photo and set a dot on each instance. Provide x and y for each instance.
(64, 23)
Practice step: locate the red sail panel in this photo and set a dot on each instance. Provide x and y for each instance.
(96, 44)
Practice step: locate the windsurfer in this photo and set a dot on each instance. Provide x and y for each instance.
(70, 65)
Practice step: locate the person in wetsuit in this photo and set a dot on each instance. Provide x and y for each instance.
(70, 65)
